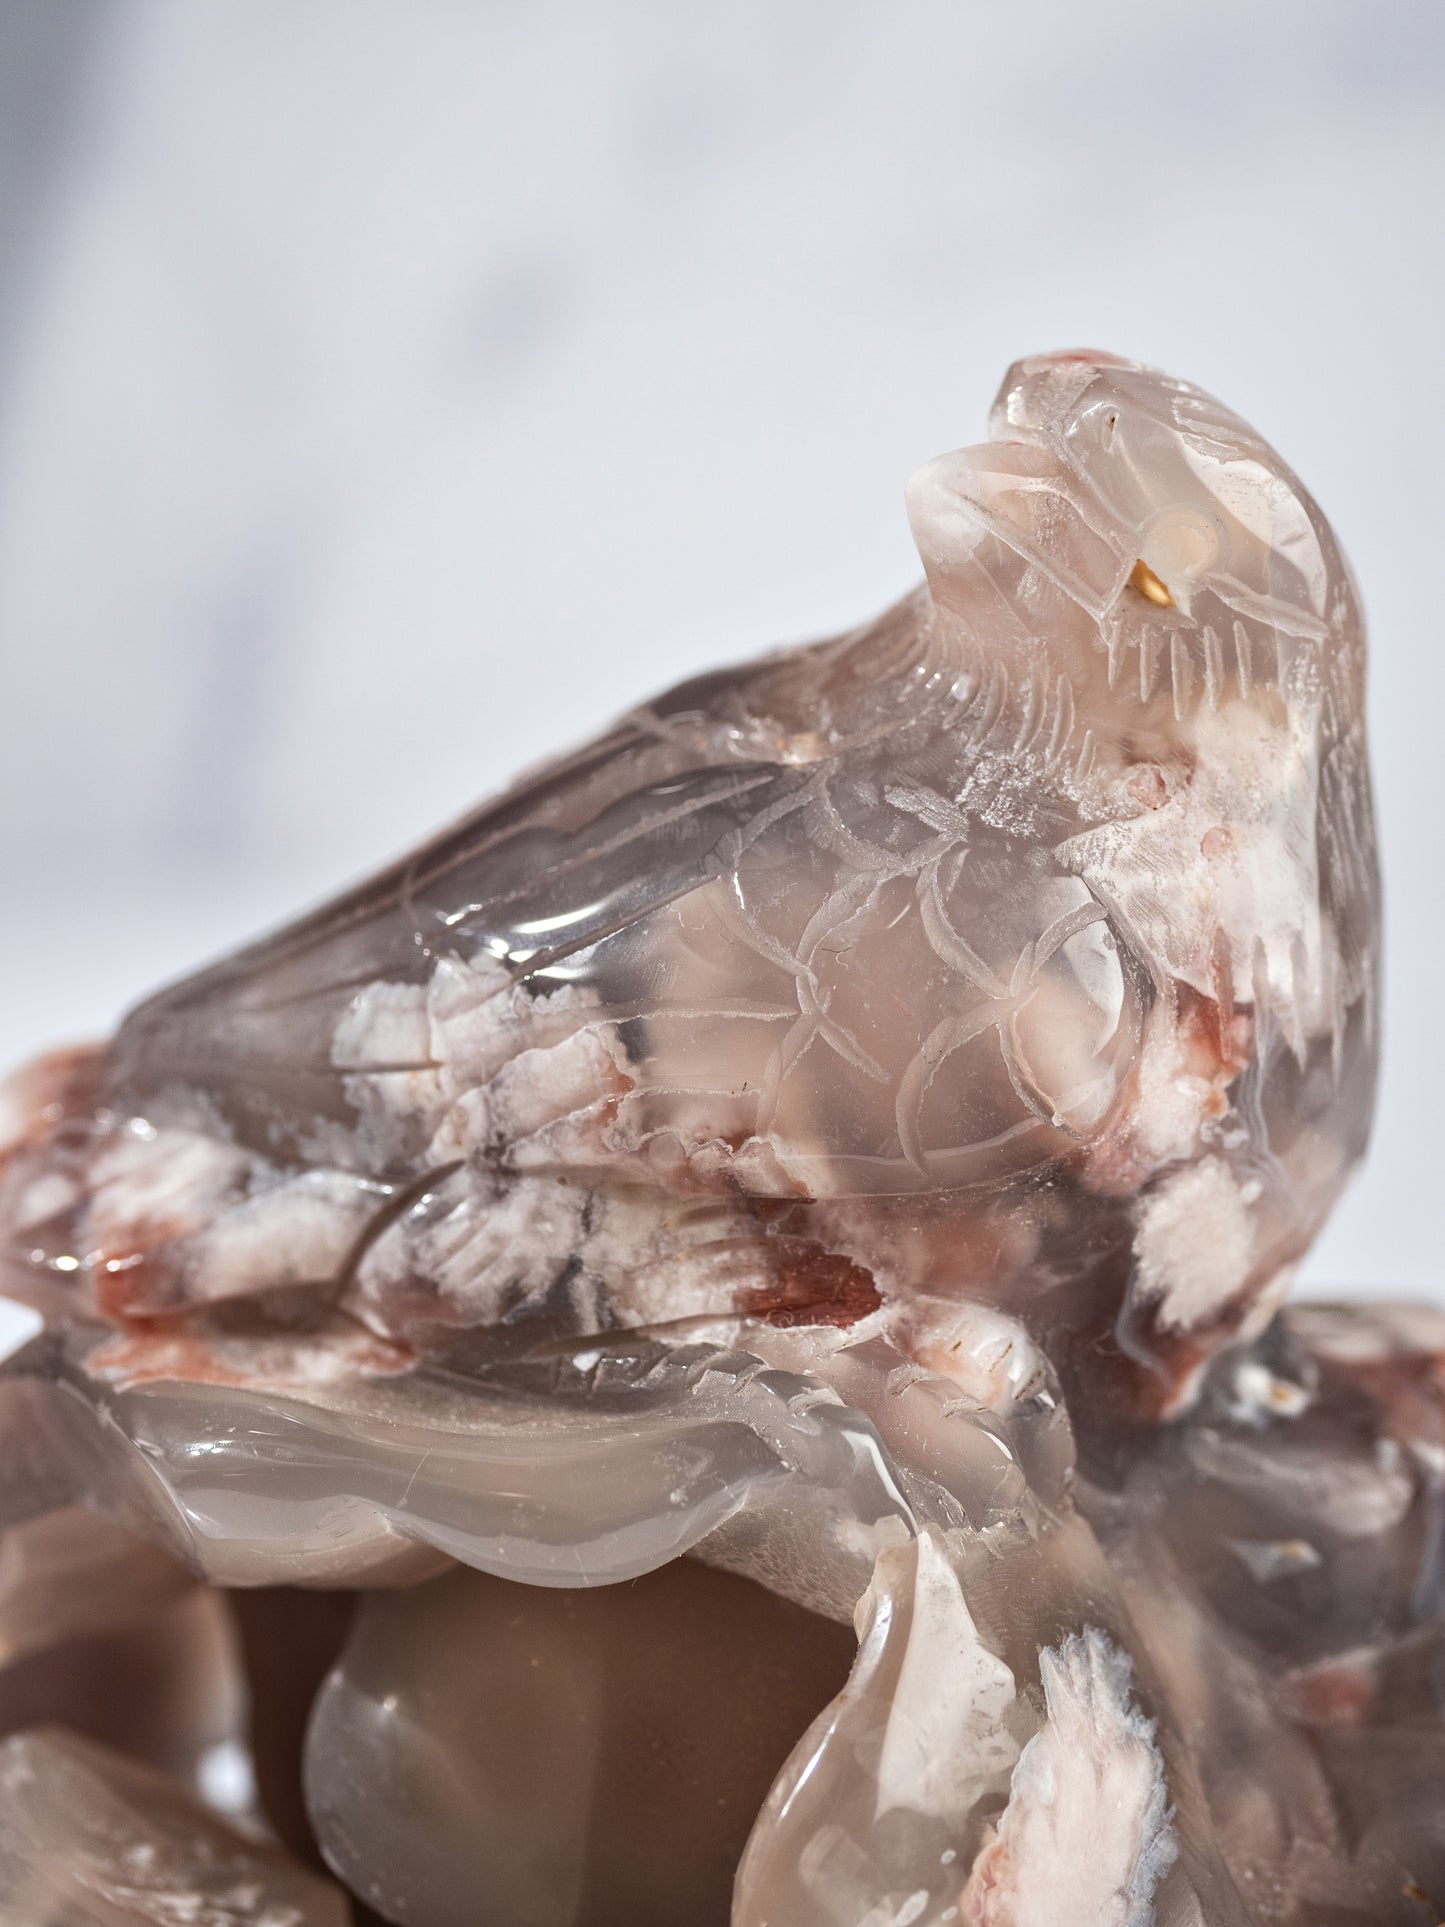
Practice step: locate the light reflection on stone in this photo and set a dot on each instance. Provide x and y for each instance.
(821, 1167)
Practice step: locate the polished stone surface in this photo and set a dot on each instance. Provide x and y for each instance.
(90, 1839)
(494, 1751)
(855, 1124)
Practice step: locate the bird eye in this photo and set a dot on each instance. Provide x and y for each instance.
(1106, 433)
(1180, 543)
(1143, 578)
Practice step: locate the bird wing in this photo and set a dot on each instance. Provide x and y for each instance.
(523, 886)
(718, 953)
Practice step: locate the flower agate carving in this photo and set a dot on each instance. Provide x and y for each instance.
(848, 1129)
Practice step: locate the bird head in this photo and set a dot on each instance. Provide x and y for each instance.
(1115, 504)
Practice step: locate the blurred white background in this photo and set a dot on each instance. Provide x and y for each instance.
(391, 392)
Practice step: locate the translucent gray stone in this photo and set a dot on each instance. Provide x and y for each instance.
(823, 1162)
(596, 1754)
(90, 1839)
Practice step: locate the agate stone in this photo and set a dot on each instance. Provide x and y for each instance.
(721, 1325)
(89, 1836)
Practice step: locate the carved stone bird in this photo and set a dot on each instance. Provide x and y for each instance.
(1015, 950)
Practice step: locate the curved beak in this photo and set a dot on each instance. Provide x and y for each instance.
(1021, 494)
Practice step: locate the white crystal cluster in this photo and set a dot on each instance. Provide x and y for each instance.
(718, 1327)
